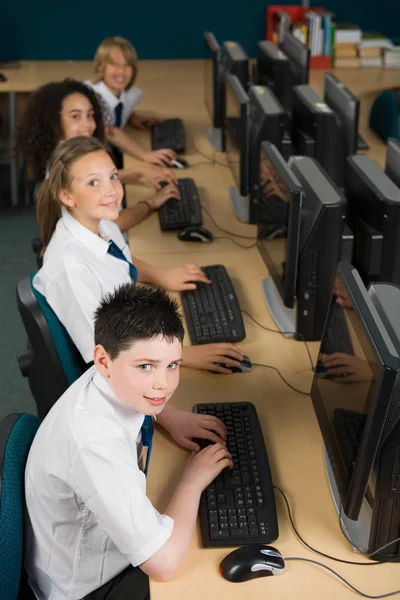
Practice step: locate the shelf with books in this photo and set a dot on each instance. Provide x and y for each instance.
(314, 27)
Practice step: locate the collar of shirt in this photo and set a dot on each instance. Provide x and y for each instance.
(122, 409)
(98, 244)
(108, 96)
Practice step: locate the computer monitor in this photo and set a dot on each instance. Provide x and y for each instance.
(321, 242)
(273, 70)
(299, 59)
(251, 119)
(213, 88)
(278, 232)
(347, 109)
(374, 215)
(357, 403)
(392, 167)
(315, 131)
(237, 111)
(235, 61)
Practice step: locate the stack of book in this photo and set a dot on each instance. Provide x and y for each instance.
(319, 27)
(371, 49)
(347, 39)
(391, 58)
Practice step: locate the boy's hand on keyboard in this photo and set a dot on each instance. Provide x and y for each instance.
(160, 157)
(206, 356)
(204, 466)
(180, 278)
(184, 426)
(167, 192)
(154, 175)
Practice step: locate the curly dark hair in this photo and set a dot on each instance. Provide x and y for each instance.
(39, 130)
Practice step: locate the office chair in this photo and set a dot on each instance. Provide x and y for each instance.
(384, 115)
(51, 361)
(16, 435)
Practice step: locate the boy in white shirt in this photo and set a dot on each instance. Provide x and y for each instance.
(92, 533)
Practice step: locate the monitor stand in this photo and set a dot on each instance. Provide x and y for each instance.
(240, 204)
(358, 531)
(284, 317)
(215, 137)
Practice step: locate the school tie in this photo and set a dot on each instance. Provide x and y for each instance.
(118, 114)
(147, 439)
(117, 253)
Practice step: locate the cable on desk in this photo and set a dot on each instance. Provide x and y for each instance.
(225, 237)
(211, 159)
(341, 560)
(282, 377)
(244, 237)
(281, 332)
(351, 586)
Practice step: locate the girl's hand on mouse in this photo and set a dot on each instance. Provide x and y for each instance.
(167, 192)
(206, 356)
(154, 175)
(185, 426)
(179, 278)
(160, 157)
(204, 466)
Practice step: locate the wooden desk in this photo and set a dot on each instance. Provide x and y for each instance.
(296, 457)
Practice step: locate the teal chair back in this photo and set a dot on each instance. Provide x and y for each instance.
(51, 361)
(384, 116)
(16, 435)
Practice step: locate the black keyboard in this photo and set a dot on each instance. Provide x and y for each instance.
(176, 214)
(169, 134)
(238, 507)
(361, 143)
(212, 311)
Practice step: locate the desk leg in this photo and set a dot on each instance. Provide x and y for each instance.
(12, 110)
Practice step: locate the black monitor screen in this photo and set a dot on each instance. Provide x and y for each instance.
(212, 82)
(279, 226)
(347, 383)
(237, 133)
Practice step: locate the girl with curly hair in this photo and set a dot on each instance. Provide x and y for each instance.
(67, 109)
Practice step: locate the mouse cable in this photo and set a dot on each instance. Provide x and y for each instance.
(354, 589)
(340, 560)
(303, 339)
(282, 377)
(225, 237)
(211, 159)
(244, 237)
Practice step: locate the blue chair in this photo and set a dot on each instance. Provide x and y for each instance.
(16, 434)
(51, 361)
(384, 115)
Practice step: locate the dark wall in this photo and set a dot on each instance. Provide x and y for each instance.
(72, 29)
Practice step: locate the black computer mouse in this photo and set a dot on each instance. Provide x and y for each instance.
(195, 233)
(3, 77)
(180, 163)
(245, 366)
(250, 562)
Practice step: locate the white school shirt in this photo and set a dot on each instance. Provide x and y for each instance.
(130, 98)
(77, 272)
(88, 513)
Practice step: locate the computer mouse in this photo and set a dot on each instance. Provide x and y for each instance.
(3, 77)
(180, 163)
(250, 562)
(195, 233)
(245, 366)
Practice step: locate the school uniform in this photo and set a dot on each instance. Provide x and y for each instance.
(90, 523)
(129, 99)
(78, 271)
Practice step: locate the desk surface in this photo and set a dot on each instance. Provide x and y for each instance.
(287, 418)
